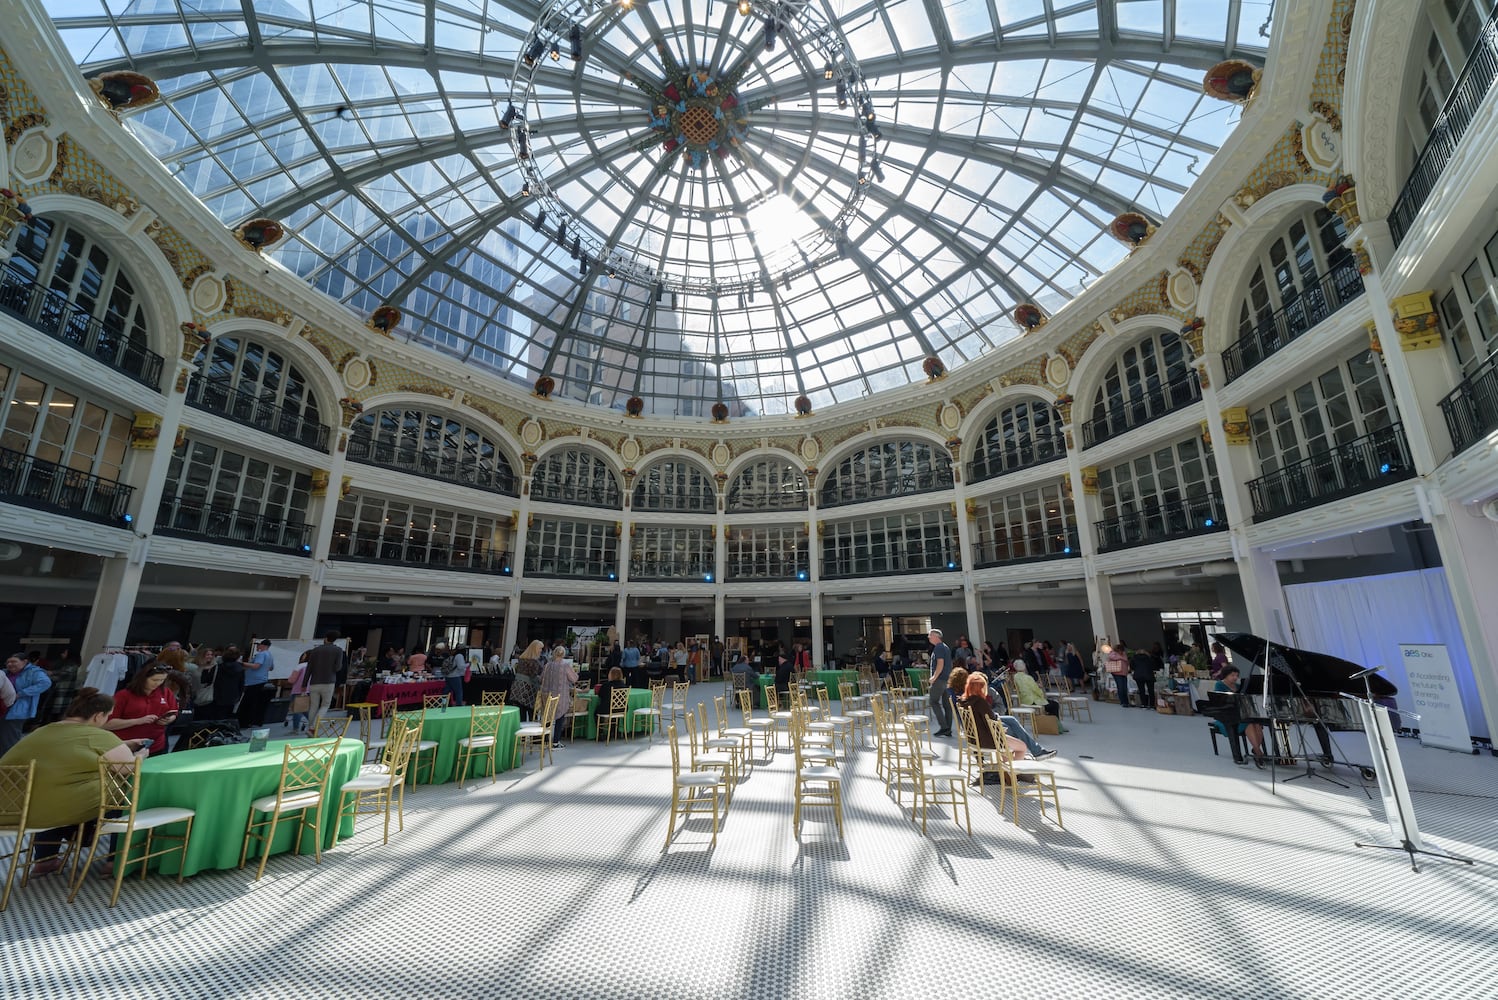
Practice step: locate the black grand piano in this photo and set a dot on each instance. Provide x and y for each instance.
(1304, 688)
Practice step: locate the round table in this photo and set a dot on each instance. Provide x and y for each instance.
(446, 726)
(219, 783)
(638, 698)
(407, 694)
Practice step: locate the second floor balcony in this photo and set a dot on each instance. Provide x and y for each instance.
(225, 525)
(900, 484)
(252, 410)
(402, 553)
(1471, 409)
(423, 462)
(991, 462)
(33, 482)
(1275, 331)
(591, 567)
(749, 568)
(52, 313)
(1143, 404)
(688, 570)
(1362, 464)
(1161, 522)
(1026, 548)
(879, 560)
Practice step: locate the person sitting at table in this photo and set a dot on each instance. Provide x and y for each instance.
(783, 668)
(65, 791)
(145, 707)
(557, 678)
(606, 690)
(527, 670)
(1228, 682)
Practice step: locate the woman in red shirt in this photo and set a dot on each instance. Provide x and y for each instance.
(145, 707)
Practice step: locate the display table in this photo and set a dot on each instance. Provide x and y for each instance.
(832, 678)
(219, 783)
(407, 694)
(634, 724)
(446, 726)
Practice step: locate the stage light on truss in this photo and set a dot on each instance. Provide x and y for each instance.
(556, 50)
(533, 53)
(575, 40)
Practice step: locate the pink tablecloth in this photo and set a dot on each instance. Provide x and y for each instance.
(409, 695)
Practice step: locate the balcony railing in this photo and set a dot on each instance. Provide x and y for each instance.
(1000, 461)
(408, 458)
(50, 312)
(767, 567)
(752, 501)
(1451, 124)
(1273, 333)
(883, 488)
(395, 554)
(594, 568)
(557, 490)
(844, 567)
(1024, 549)
(33, 482)
(678, 570)
(1471, 410)
(1198, 515)
(252, 411)
(1366, 463)
(1122, 414)
(227, 526)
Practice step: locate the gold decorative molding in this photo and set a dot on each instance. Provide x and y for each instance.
(1206, 431)
(1374, 344)
(1193, 333)
(345, 488)
(1235, 425)
(1089, 480)
(1417, 322)
(145, 428)
(1363, 258)
(319, 487)
(972, 509)
(1342, 198)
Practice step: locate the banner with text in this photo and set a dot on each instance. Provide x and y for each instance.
(1438, 702)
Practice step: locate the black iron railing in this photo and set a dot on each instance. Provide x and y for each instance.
(991, 462)
(556, 489)
(677, 570)
(855, 564)
(591, 568)
(436, 557)
(767, 567)
(33, 482)
(408, 458)
(51, 312)
(881, 488)
(1471, 409)
(750, 501)
(252, 411)
(1122, 414)
(1022, 549)
(1195, 515)
(1274, 332)
(228, 526)
(1451, 124)
(1363, 464)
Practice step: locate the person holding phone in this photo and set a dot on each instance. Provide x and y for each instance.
(145, 707)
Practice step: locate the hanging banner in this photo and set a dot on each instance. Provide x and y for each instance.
(1435, 697)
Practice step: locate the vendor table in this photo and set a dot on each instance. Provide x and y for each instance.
(446, 726)
(219, 783)
(634, 724)
(406, 695)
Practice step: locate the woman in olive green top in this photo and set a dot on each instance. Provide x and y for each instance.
(65, 791)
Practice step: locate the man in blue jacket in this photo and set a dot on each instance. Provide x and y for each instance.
(30, 681)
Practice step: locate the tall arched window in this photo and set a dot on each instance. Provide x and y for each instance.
(240, 378)
(673, 484)
(769, 484)
(65, 283)
(889, 469)
(576, 476)
(1147, 381)
(1018, 437)
(1301, 276)
(431, 444)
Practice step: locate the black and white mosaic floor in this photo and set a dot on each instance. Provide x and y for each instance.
(1177, 875)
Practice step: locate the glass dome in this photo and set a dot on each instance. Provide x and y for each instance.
(748, 245)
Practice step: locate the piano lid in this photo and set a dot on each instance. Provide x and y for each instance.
(1318, 673)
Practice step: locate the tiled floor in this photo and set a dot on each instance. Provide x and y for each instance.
(1178, 874)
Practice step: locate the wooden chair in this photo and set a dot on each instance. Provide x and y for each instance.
(1043, 778)
(493, 699)
(376, 790)
(481, 742)
(617, 715)
(16, 782)
(693, 783)
(733, 746)
(537, 733)
(941, 782)
(780, 716)
(651, 715)
(744, 734)
(300, 792)
(121, 817)
(842, 725)
(389, 709)
(679, 691)
(425, 751)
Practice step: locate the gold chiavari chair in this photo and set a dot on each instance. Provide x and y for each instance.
(744, 734)
(431, 701)
(693, 783)
(16, 783)
(374, 791)
(651, 715)
(733, 746)
(818, 784)
(617, 715)
(718, 763)
(299, 793)
(493, 699)
(761, 727)
(331, 727)
(537, 733)
(935, 781)
(481, 742)
(860, 719)
(1042, 778)
(121, 817)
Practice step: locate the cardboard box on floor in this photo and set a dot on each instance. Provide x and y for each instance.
(1047, 725)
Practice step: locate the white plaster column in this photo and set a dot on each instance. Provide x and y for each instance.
(1468, 542)
(114, 600)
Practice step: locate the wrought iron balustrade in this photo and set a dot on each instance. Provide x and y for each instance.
(230, 526)
(1363, 464)
(1335, 289)
(52, 313)
(213, 396)
(1122, 414)
(1195, 515)
(1471, 409)
(1031, 548)
(408, 458)
(34, 482)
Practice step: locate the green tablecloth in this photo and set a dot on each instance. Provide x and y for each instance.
(830, 678)
(638, 698)
(219, 783)
(446, 726)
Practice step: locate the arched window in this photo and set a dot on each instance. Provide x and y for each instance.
(576, 476)
(252, 384)
(1301, 276)
(1147, 381)
(675, 485)
(431, 444)
(1451, 31)
(65, 283)
(890, 469)
(1170, 492)
(1018, 436)
(1037, 523)
(769, 484)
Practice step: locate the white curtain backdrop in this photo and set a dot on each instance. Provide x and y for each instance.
(1366, 618)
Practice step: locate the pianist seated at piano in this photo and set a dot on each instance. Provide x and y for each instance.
(1228, 683)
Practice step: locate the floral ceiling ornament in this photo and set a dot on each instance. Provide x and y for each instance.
(124, 90)
(257, 234)
(1029, 317)
(1233, 80)
(935, 369)
(384, 320)
(1131, 229)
